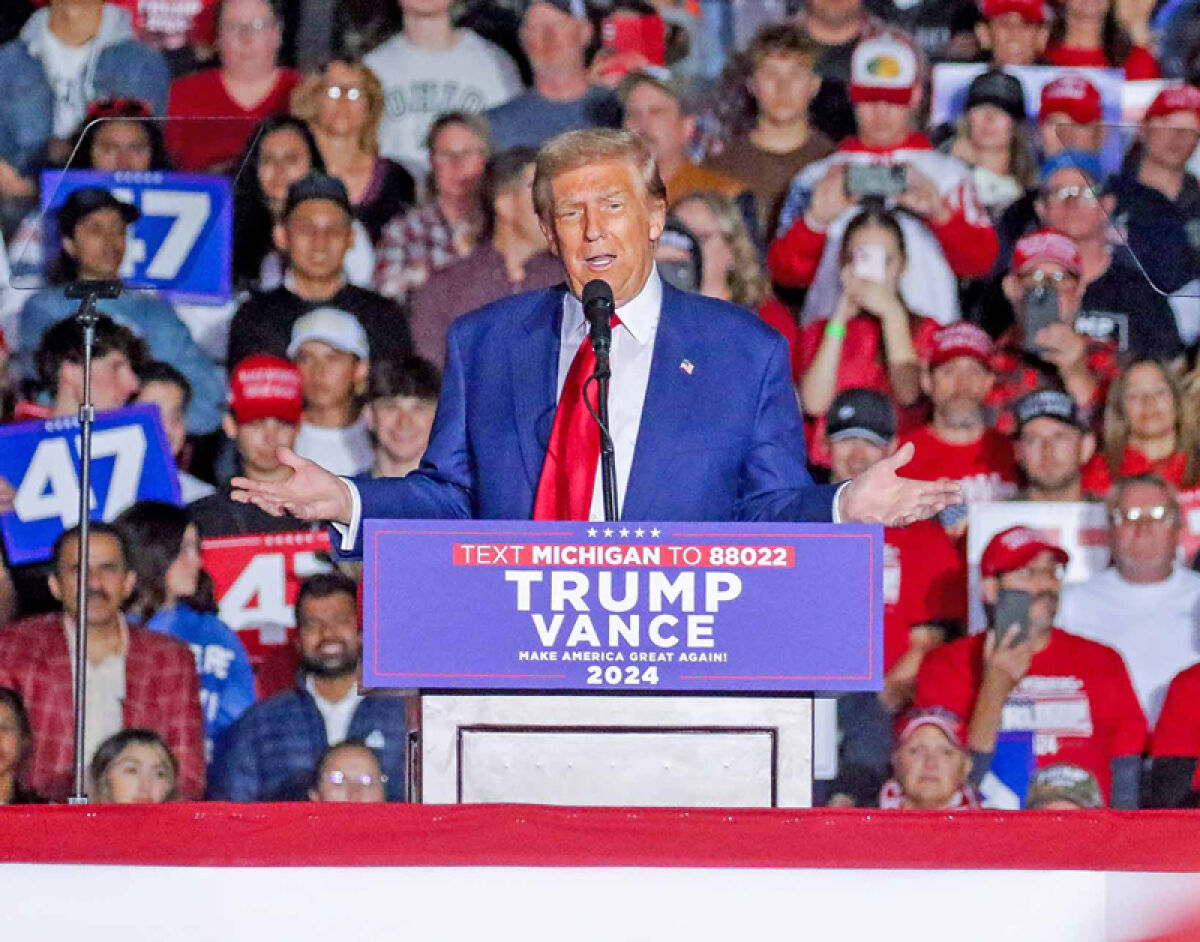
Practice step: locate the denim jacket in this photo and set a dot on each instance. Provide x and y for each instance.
(120, 67)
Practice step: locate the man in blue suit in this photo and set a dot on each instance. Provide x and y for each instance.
(703, 415)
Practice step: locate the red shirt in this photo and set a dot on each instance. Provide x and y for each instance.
(986, 468)
(1097, 481)
(204, 144)
(923, 580)
(862, 364)
(1077, 699)
(1140, 64)
(1178, 729)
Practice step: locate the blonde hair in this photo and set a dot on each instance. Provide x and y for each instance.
(306, 100)
(574, 149)
(1117, 430)
(746, 280)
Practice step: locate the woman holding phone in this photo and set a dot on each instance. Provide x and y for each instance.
(872, 339)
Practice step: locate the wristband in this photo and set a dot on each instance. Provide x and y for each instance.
(835, 329)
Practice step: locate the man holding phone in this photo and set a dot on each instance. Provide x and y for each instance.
(947, 233)
(1023, 674)
(1044, 349)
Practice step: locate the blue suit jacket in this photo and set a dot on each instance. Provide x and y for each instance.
(722, 442)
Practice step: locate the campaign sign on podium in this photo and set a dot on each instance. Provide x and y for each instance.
(636, 607)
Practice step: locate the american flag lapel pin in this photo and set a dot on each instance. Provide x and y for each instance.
(687, 366)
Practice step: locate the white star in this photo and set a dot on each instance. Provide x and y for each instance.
(591, 531)
(624, 531)
(639, 532)
(608, 531)
(655, 532)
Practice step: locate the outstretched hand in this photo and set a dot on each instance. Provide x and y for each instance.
(880, 495)
(311, 493)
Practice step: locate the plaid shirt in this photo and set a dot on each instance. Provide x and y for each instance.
(410, 248)
(1018, 373)
(162, 693)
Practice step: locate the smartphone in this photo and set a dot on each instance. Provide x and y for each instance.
(1012, 608)
(870, 263)
(877, 180)
(644, 34)
(1039, 309)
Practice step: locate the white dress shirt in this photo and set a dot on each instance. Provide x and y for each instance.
(630, 360)
(632, 353)
(336, 715)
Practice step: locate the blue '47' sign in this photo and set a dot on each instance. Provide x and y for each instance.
(182, 244)
(130, 462)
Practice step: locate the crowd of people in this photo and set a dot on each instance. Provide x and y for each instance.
(997, 264)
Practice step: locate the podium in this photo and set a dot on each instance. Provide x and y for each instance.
(619, 664)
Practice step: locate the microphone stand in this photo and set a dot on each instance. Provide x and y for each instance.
(86, 292)
(608, 459)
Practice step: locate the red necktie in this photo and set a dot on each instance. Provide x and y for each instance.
(569, 471)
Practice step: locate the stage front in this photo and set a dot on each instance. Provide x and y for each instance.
(501, 872)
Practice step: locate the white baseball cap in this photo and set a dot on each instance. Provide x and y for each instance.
(332, 326)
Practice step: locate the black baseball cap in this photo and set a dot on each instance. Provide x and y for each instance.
(861, 413)
(317, 186)
(1048, 404)
(994, 87)
(85, 201)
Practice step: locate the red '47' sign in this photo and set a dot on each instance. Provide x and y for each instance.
(256, 578)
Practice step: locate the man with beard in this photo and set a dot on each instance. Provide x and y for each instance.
(272, 751)
(135, 677)
(1074, 695)
(1052, 446)
(957, 442)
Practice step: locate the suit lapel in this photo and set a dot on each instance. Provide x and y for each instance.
(533, 367)
(664, 412)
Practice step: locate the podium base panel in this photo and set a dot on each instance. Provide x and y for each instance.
(694, 752)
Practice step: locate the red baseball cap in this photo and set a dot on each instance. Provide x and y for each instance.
(1046, 245)
(951, 724)
(266, 387)
(1177, 98)
(883, 68)
(1072, 95)
(1015, 547)
(1031, 11)
(960, 339)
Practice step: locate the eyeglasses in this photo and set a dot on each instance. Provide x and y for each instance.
(1062, 194)
(348, 92)
(1039, 277)
(1159, 513)
(338, 778)
(251, 28)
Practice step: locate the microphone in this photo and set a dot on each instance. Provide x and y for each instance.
(598, 307)
(103, 290)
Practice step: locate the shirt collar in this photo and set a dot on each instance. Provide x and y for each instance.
(69, 629)
(638, 316)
